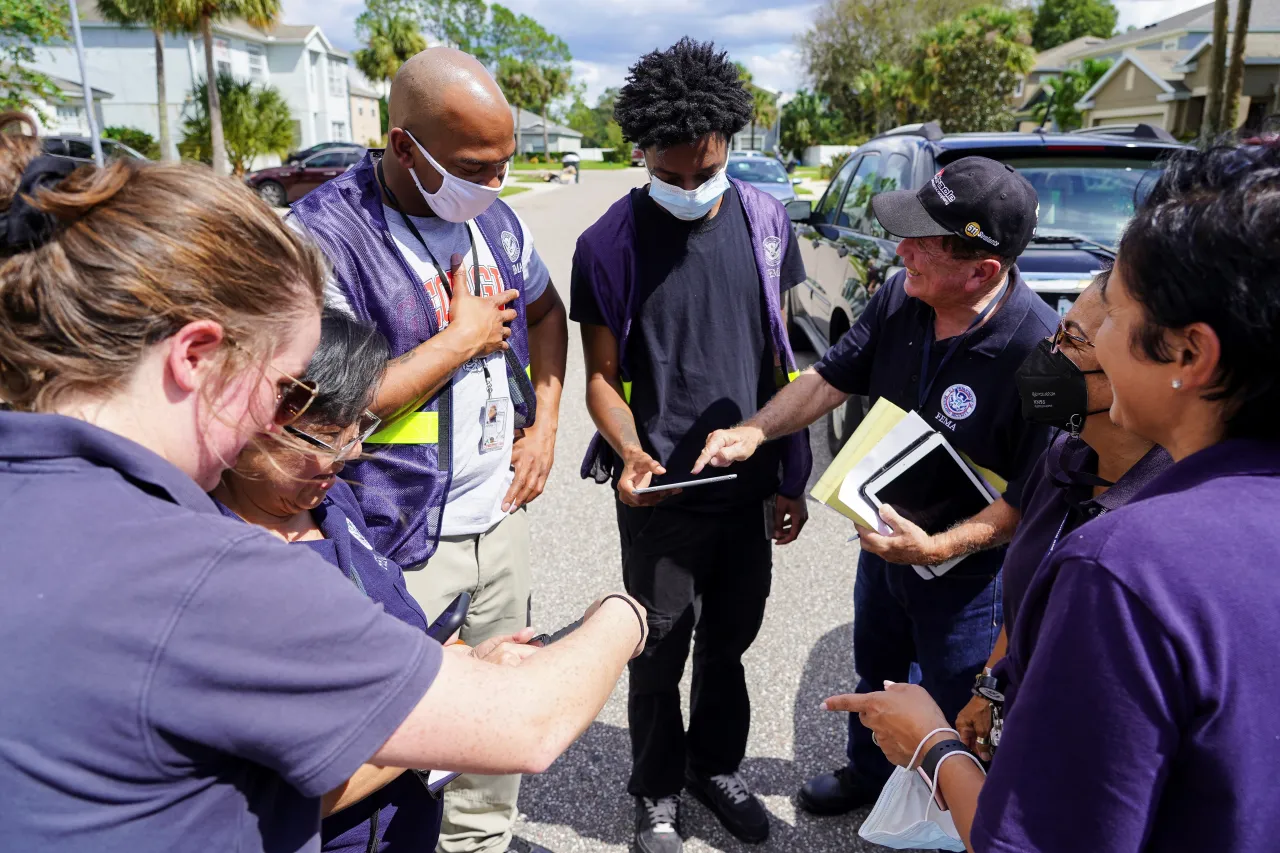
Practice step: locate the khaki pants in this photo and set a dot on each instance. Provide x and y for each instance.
(479, 811)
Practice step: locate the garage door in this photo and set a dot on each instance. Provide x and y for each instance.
(1156, 119)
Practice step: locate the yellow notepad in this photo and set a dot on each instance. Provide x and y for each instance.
(883, 417)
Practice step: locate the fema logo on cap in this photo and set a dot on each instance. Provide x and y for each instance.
(772, 251)
(511, 246)
(958, 402)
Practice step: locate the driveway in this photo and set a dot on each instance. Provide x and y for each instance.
(802, 656)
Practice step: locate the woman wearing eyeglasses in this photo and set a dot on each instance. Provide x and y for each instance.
(1092, 468)
(175, 680)
(292, 489)
(1146, 653)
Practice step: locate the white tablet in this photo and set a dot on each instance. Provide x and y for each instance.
(929, 485)
(666, 487)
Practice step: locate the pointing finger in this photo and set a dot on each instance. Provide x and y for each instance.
(854, 703)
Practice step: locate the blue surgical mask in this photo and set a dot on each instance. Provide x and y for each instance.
(688, 204)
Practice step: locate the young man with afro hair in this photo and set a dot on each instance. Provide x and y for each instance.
(678, 288)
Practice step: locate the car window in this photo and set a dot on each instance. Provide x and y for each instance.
(1090, 197)
(758, 171)
(54, 146)
(327, 160)
(350, 158)
(79, 148)
(896, 175)
(111, 150)
(831, 201)
(853, 211)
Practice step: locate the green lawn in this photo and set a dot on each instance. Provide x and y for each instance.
(509, 191)
(803, 191)
(810, 172)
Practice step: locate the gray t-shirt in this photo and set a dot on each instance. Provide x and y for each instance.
(174, 680)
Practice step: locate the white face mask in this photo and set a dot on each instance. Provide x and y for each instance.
(689, 204)
(457, 200)
(905, 817)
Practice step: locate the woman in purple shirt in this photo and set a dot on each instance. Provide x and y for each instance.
(293, 491)
(1092, 468)
(1146, 655)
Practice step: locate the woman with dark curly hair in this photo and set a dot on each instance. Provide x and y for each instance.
(678, 290)
(1144, 664)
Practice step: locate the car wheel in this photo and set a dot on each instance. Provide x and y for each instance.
(273, 194)
(844, 421)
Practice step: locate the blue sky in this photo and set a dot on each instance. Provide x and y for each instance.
(606, 36)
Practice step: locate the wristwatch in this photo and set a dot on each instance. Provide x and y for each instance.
(986, 686)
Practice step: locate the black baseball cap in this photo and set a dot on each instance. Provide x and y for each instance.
(980, 200)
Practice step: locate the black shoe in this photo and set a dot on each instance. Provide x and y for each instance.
(520, 845)
(658, 825)
(836, 793)
(732, 802)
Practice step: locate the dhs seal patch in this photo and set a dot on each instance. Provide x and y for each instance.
(511, 246)
(958, 402)
(772, 251)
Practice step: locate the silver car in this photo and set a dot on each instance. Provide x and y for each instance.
(763, 173)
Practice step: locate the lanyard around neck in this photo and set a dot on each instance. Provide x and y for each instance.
(926, 351)
(445, 281)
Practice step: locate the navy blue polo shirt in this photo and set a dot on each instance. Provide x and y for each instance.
(1145, 667)
(1056, 501)
(973, 400)
(174, 680)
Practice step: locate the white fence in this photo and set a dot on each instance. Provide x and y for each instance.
(821, 155)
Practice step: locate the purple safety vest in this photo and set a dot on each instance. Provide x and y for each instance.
(402, 487)
(606, 255)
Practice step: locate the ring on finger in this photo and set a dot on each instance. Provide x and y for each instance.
(981, 741)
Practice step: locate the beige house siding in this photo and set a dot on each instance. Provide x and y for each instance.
(366, 123)
(1130, 87)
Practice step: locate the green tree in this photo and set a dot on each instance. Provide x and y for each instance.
(553, 84)
(850, 36)
(162, 17)
(965, 69)
(596, 124)
(1059, 21)
(256, 120)
(1062, 94)
(389, 32)
(463, 24)
(519, 82)
(24, 24)
(807, 120)
(888, 94)
(1211, 124)
(139, 140)
(258, 13)
(764, 103)
(1235, 68)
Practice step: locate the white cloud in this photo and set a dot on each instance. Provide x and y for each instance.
(1140, 13)
(597, 76)
(780, 71)
(336, 18)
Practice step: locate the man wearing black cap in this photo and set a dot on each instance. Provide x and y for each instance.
(943, 337)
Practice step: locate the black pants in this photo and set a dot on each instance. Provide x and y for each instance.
(705, 577)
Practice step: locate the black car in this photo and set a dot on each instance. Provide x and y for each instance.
(299, 156)
(81, 148)
(1087, 184)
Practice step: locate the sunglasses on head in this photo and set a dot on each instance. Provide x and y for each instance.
(365, 427)
(293, 396)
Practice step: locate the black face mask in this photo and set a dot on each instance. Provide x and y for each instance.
(1053, 389)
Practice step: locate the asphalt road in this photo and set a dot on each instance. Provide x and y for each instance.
(803, 654)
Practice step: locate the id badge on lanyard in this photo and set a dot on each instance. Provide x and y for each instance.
(493, 417)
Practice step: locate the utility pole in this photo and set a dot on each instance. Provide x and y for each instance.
(85, 88)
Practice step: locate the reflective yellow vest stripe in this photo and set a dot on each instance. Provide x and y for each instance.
(413, 428)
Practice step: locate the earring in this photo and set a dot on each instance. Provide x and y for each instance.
(1177, 384)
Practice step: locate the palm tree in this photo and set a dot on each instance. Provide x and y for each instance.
(1235, 71)
(162, 17)
(257, 122)
(764, 111)
(389, 41)
(258, 13)
(520, 82)
(1211, 125)
(554, 81)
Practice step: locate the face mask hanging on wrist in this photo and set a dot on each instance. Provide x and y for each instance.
(457, 200)
(689, 205)
(1053, 390)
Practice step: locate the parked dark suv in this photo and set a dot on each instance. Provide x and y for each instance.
(1086, 182)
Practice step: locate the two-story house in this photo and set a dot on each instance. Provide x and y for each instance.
(296, 59)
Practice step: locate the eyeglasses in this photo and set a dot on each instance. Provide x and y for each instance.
(1064, 334)
(365, 427)
(293, 399)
